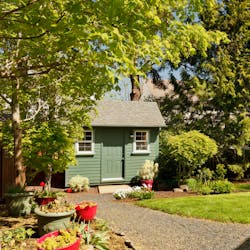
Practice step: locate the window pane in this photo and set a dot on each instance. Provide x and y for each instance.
(88, 136)
(141, 146)
(84, 146)
(144, 136)
(141, 136)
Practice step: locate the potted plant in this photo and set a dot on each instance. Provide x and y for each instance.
(54, 216)
(69, 239)
(18, 201)
(86, 210)
(44, 196)
(79, 183)
(148, 172)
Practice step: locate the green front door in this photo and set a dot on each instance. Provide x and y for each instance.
(112, 161)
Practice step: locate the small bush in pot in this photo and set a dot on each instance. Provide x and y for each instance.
(79, 183)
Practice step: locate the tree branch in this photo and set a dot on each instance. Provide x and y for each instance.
(6, 13)
(5, 99)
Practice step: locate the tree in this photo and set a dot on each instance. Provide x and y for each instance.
(176, 35)
(220, 82)
(55, 55)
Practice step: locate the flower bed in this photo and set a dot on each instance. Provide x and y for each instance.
(137, 192)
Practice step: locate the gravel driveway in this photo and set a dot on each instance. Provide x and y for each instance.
(151, 230)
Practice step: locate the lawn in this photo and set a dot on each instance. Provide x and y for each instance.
(224, 207)
(242, 186)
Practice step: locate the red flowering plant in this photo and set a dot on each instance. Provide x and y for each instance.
(45, 192)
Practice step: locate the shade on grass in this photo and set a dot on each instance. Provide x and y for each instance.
(242, 186)
(224, 207)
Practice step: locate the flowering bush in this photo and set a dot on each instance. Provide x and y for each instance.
(134, 192)
(149, 170)
(122, 193)
(79, 183)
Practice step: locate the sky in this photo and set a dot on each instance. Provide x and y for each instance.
(125, 87)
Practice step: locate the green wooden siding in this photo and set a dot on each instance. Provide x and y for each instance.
(133, 162)
(107, 142)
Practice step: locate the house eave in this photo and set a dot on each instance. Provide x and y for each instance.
(128, 126)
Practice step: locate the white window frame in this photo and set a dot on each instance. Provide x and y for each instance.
(89, 152)
(136, 151)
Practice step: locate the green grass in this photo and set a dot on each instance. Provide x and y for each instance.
(242, 186)
(224, 207)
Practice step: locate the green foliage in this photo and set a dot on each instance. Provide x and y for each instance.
(210, 187)
(136, 192)
(13, 238)
(192, 184)
(98, 237)
(189, 149)
(238, 170)
(220, 172)
(57, 57)
(13, 189)
(213, 93)
(48, 144)
(63, 239)
(204, 174)
(205, 189)
(142, 194)
(221, 187)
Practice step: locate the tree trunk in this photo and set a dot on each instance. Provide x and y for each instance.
(135, 94)
(17, 132)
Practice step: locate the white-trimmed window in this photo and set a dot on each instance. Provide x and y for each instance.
(86, 146)
(141, 141)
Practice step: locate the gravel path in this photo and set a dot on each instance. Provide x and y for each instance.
(154, 230)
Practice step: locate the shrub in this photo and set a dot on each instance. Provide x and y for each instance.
(190, 150)
(79, 183)
(205, 174)
(205, 189)
(143, 194)
(220, 172)
(216, 187)
(192, 184)
(221, 187)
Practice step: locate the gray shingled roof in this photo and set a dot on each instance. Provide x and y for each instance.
(128, 114)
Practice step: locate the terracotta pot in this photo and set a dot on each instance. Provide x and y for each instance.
(86, 210)
(44, 200)
(73, 246)
(148, 183)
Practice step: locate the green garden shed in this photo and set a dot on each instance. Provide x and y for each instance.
(123, 135)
